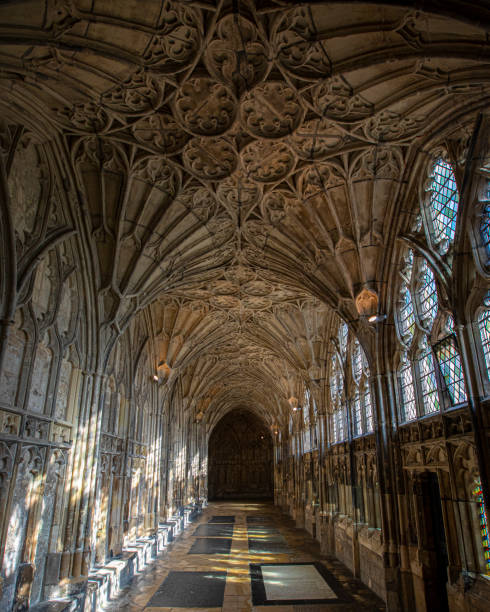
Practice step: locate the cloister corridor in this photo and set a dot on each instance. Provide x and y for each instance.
(245, 272)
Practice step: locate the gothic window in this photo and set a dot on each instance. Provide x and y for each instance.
(357, 415)
(483, 216)
(337, 399)
(484, 327)
(451, 368)
(356, 361)
(407, 390)
(443, 203)
(430, 372)
(361, 406)
(427, 295)
(343, 336)
(427, 374)
(485, 227)
(306, 408)
(482, 515)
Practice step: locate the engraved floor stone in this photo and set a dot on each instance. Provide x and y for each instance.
(190, 589)
(222, 519)
(295, 582)
(214, 531)
(210, 546)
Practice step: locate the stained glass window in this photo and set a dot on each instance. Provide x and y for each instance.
(444, 201)
(357, 415)
(478, 496)
(451, 369)
(306, 408)
(427, 295)
(343, 335)
(356, 361)
(368, 409)
(407, 392)
(338, 425)
(484, 325)
(485, 228)
(406, 316)
(430, 396)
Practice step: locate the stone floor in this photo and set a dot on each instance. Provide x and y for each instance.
(176, 579)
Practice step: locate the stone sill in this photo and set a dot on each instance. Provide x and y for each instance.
(106, 581)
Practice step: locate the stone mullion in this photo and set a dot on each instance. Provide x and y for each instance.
(126, 480)
(151, 471)
(384, 399)
(80, 531)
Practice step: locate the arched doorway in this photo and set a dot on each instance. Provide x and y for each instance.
(240, 458)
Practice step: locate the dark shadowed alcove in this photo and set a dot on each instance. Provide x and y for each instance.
(240, 458)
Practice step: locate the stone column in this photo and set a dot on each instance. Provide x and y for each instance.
(80, 531)
(381, 386)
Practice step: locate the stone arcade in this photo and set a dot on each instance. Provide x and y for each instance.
(224, 221)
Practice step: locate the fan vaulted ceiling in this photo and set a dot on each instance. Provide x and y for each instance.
(243, 168)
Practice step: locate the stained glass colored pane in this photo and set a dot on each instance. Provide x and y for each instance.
(338, 425)
(357, 361)
(485, 228)
(368, 410)
(343, 333)
(452, 371)
(407, 393)
(430, 397)
(484, 325)
(444, 201)
(406, 318)
(427, 295)
(357, 416)
(306, 407)
(333, 379)
(478, 496)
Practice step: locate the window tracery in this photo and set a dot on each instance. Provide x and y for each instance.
(443, 203)
(349, 388)
(430, 372)
(484, 327)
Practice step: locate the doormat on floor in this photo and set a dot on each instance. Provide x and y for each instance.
(280, 584)
(210, 546)
(190, 590)
(214, 531)
(221, 519)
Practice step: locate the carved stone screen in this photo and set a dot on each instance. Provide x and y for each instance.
(240, 458)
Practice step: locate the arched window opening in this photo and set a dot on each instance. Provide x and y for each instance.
(357, 415)
(484, 327)
(483, 518)
(451, 369)
(368, 409)
(430, 371)
(357, 361)
(485, 226)
(428, 383)
(443, 203)
(407, 391)
(427, 295)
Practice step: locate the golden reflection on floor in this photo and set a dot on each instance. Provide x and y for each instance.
(237, 594)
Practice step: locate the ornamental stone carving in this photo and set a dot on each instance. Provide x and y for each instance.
(237, 56)
(211, 159)
(205, 107)
(271, 110)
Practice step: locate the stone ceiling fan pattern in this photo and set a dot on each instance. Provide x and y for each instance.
(240, 165)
